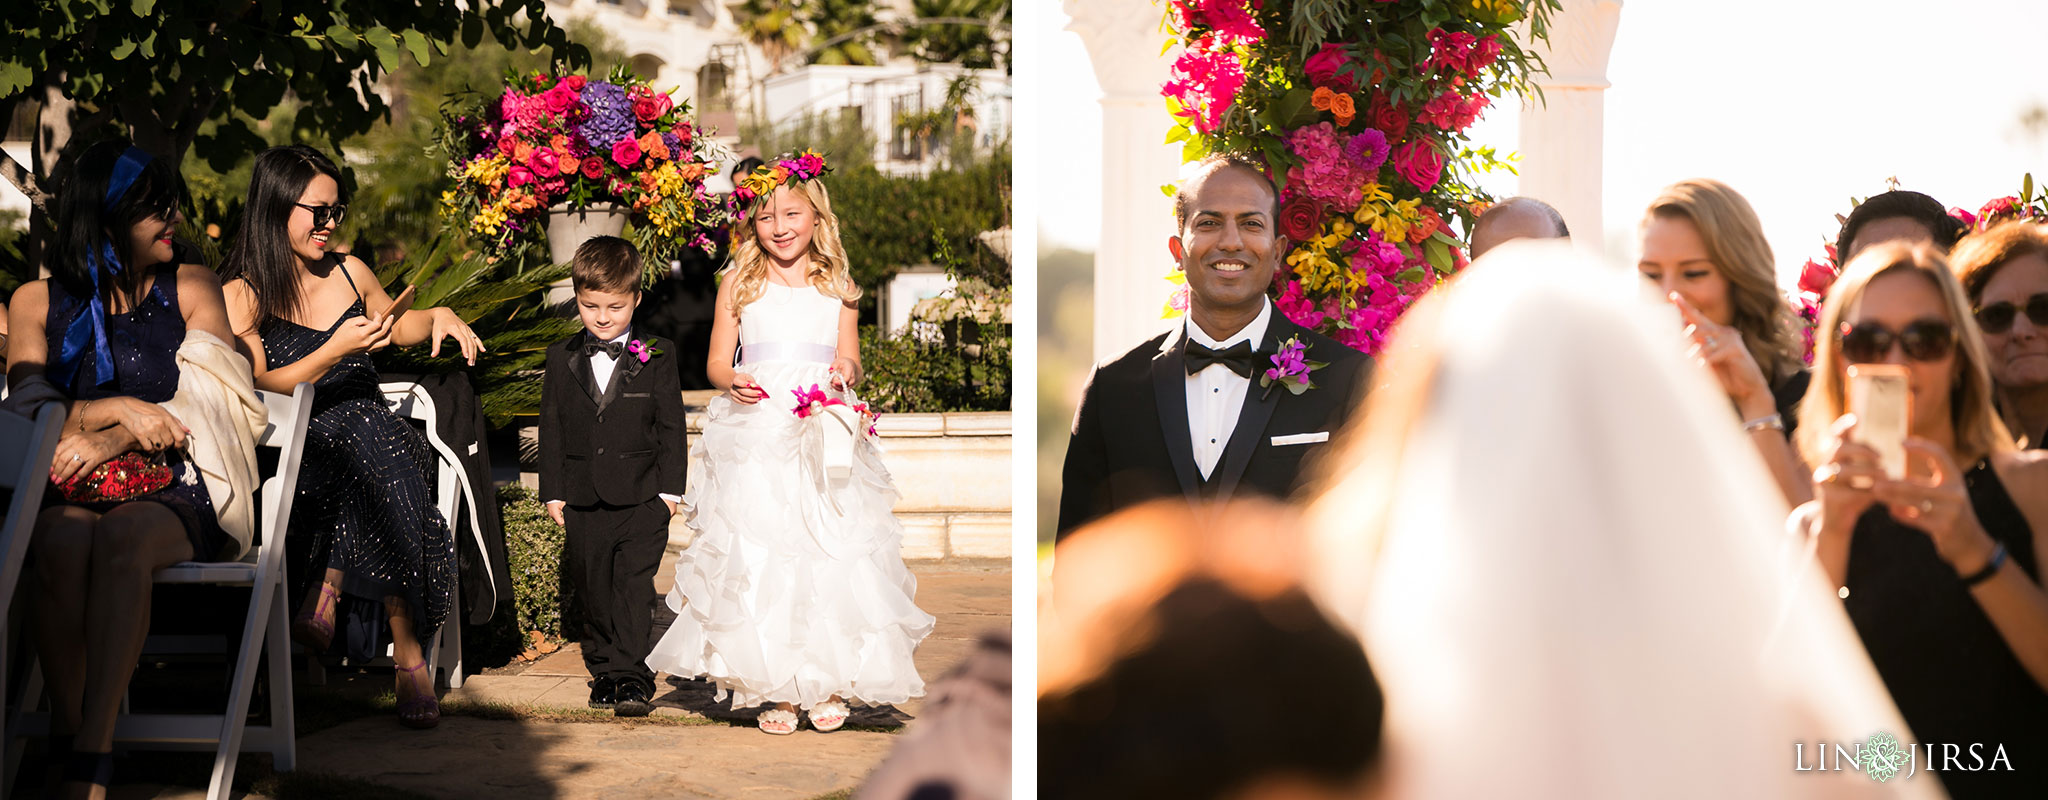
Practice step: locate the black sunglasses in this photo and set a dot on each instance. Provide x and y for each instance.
(322, 214)
(1998, 317)
(1923, 340)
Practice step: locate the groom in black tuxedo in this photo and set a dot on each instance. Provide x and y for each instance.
(1184, 413)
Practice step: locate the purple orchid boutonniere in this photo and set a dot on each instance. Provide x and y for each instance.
(641, 350)
(1291, 368)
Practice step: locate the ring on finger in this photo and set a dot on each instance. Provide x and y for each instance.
(1925, 506)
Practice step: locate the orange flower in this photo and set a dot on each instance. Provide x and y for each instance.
(1426, 224)
(646, 180)
(1323, 98)
(691, 171)
(651, 145)
(1345, 109)
(520, 151)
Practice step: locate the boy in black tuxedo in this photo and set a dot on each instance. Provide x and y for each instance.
(612, 464)
(1186, 413)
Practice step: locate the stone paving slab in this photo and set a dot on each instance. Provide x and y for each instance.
(467, 757)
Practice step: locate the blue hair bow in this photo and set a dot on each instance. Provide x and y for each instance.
(90, 328)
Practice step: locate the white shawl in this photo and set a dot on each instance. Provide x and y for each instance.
(217, 400)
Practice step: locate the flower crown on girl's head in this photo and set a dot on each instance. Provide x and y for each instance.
(775, 173)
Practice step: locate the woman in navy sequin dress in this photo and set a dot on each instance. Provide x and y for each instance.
(93, 561)
(368, 547)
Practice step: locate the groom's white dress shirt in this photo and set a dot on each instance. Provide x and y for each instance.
(1216, 395)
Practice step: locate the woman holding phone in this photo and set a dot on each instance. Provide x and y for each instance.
(1938, 566)
(1704, 248)
(370, 552)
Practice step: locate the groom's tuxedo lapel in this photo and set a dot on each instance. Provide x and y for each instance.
(1170, 392)
(1259, 404)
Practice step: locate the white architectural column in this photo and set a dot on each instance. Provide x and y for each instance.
(1561, 137)
(1123, 40)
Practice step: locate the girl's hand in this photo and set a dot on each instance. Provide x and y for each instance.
(845, 373)
(361, 335)
(81, 453)
(1720, 348)
(745, 390)
(153, 428)
(447, 324)
(1932, 498)
(1848, 475)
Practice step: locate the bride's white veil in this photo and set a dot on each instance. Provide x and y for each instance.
(1570, 571)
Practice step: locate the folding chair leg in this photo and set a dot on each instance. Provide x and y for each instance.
(17, 742)
(284, 730)
(237, 716)
(451, 647)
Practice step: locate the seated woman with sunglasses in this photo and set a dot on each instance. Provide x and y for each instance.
(1704, 248)
(1939, 570)
(367, 544)
(2005, 272)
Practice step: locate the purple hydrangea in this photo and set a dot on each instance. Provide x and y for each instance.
(675, 146)
(609, 117)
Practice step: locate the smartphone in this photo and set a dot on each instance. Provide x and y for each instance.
(1882, 401)
(400, 304)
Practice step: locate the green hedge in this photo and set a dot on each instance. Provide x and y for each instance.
(906, 376)
(533, 547)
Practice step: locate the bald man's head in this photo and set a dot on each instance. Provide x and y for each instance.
(1516, 218)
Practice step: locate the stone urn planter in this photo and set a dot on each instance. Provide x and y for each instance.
(569, 228)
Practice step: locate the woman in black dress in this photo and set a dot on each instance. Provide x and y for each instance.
(2005, 272)
(104, 330)
(1704, 248)
(369, 549)
(1939, 571)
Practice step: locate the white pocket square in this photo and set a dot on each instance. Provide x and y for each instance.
(1301, 438)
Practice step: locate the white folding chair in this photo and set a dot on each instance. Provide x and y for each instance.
(408, 399)
(25, 449)
(262, 570)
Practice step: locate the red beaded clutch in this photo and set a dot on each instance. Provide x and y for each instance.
(125, 477)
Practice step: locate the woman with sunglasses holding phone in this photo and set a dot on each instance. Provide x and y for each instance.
(2005, 272)
(1939, 569)
(371, 554)
(1704, 249)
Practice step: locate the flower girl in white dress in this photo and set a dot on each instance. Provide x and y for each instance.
(793, 590)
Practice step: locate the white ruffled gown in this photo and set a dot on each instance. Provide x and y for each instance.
(781, 597)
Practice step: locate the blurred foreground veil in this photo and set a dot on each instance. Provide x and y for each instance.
(1571, 574)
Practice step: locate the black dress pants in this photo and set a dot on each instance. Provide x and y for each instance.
(611, 557)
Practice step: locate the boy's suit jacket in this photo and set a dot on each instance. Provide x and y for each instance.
(621, 446)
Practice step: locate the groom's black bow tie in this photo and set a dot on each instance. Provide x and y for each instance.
(613, 349)
(1240, 358)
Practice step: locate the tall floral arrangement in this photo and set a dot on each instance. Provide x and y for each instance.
(575, 141)
(1359, 112)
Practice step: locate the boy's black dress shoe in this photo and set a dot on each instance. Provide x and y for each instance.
(634, 700)
(604, 692)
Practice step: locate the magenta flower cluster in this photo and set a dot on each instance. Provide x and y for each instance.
(1335, 168)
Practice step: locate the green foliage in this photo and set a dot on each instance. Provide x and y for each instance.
(972, 46)
(165, 68)
(774, 26)
(836, 134)
(533, 552)
(502, 302)
(14, 267)
(889, 223)
(908, 376)
(840, 28)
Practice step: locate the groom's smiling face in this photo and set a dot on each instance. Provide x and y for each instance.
(1227, 244)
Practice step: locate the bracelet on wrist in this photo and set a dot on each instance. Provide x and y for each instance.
(1998, 555)
(1772, 421)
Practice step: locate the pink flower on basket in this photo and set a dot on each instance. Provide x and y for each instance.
(812, 401)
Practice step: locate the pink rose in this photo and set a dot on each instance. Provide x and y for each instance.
(1389, 119)
(575, 82)
(1326, 69)
(811, 163)
(1301, 219)
(544, 162)
(1968, 219)
(593, 167)
(1816, 277)
(518, 176)
(1419, 163)
(561, 98)
(626, 153)
(508, 145)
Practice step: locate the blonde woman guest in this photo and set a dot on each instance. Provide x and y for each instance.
(1939, 570)
(1556, 548)
(2005, 273)
(1705, 250)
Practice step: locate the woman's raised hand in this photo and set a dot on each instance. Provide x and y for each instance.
(447, 324)
(745, 390)
(1848, 476)
(1721, 349)
(1933, 499)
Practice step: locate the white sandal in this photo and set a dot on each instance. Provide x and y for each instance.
(829, 716)
(784, 722)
